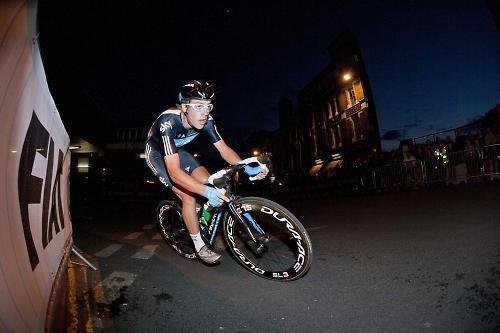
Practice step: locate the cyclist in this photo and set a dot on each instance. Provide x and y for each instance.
(177, 169)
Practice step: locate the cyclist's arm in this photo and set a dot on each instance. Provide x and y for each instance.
(172, 160)
(227, 153)
(181, 178)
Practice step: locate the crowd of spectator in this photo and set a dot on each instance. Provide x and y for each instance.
(452, 157)
(410, 151)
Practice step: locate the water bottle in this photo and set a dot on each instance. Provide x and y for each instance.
(206, 215)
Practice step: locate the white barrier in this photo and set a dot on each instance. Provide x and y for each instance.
(35, 226)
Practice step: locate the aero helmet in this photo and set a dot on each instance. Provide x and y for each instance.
(196, 89)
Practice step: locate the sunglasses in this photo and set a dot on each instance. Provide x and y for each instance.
(201, 107)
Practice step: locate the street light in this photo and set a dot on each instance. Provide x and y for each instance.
(347, 76)
(255, 152)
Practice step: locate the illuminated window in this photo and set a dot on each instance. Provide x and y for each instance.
(352, 96)
(83, 165)
(358, 90)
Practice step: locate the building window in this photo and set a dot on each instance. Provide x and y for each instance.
(335, 106)
(314, 147)
(312, 122)
(338, 136)
(352, 96)
(83, 165)
(330, 114)
(358, 90)
(331, 136)
(356, 128)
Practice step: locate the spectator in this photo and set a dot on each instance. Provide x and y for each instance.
(490, 154)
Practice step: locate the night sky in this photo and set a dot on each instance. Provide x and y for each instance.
(433, 65)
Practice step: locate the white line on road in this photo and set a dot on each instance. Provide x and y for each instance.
(109, 250)
(317, 227)
(146, 252)
(133, 235)
(148, 227)
(157, 236)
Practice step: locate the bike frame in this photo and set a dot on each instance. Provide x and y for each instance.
(213, 224)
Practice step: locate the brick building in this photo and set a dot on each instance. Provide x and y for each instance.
(336, 112)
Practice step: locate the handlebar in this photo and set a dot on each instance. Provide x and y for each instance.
(217, 179)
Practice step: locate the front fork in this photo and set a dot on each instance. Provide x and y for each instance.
(256, 245)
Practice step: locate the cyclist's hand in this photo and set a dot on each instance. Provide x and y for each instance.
(257, 172)
(215, 197)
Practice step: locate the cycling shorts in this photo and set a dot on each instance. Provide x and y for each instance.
(155, 162)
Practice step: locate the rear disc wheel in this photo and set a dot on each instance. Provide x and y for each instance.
(173, 230)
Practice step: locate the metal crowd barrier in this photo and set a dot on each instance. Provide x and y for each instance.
(491, 160)
(451, 168)
(407, 174)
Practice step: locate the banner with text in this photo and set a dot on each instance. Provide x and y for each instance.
(35, 224)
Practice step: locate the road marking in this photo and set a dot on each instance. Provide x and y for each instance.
(148, 227)
(157, 236)
(146, 252)
(317, 227)
(133, 235)
(109, 250)
(109, 289)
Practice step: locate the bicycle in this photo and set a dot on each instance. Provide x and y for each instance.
(263, 236)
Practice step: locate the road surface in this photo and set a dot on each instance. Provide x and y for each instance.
(420, 261)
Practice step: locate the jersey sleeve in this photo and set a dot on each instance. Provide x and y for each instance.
(211, 130)
(164, 127)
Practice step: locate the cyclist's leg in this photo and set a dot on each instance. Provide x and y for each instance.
(201, 174)
(193, 167)
(155, 162)
(188, 209)
(190, 165)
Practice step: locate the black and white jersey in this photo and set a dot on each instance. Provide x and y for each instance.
(167, 133)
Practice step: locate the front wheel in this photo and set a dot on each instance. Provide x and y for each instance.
(285, 250)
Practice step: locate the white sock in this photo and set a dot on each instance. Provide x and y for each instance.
(198, 241)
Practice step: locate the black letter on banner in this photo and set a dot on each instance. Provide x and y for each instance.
(58, 181)
(47, 194)
(29, 186)
(53, 218)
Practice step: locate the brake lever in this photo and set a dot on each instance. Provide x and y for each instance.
(260, 160)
